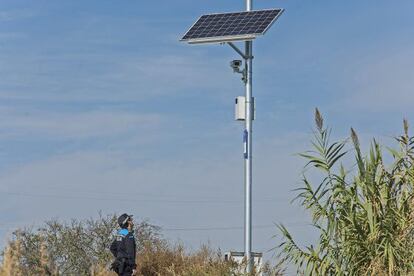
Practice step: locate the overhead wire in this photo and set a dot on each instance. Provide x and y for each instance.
(155, 199)
(11, 225)
(215, 228)
(160, 199)
(292, 224)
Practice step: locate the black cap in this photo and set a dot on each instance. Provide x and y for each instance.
(122, 219)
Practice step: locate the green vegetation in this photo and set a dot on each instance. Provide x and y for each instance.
(82, 248)
(364, 215)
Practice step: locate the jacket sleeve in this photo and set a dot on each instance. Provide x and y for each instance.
(114, 248)
(130, 250)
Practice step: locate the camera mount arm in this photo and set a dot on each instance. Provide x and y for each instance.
(245, 58)
(231, 44)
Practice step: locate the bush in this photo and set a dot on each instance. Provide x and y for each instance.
(82, 248)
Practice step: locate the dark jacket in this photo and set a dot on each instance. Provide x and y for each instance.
(124, 248)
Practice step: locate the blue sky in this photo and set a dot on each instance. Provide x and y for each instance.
(104, 109)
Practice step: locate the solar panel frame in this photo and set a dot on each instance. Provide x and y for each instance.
(216, 18)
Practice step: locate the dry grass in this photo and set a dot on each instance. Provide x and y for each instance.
(11, 261)
(156, 259)
(82, 248)
(161, 259)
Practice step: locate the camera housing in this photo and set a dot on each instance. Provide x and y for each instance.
(235, 64)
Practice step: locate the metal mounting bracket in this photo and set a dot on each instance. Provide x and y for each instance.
(231, 44)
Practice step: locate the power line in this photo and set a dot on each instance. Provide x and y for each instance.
(147, 196)
(214, 228)
(293, 225)
(166, 200)
(11, 225)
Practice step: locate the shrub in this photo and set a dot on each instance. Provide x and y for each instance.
(82, 248)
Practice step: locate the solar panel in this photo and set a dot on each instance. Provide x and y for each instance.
(224, 27)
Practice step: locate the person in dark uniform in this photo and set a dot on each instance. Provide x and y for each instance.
(124, 248)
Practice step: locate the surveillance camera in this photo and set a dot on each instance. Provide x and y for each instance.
(235, 64)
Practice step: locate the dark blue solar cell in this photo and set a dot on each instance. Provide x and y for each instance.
(231, 24)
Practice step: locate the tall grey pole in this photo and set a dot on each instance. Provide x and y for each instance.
(248, 153)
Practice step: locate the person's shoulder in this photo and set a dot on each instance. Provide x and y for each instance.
(123, 232)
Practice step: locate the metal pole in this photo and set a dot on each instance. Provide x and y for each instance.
(248, 154)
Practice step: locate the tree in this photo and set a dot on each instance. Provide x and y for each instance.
(73, 248)
(364, 216)
(81, 247)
